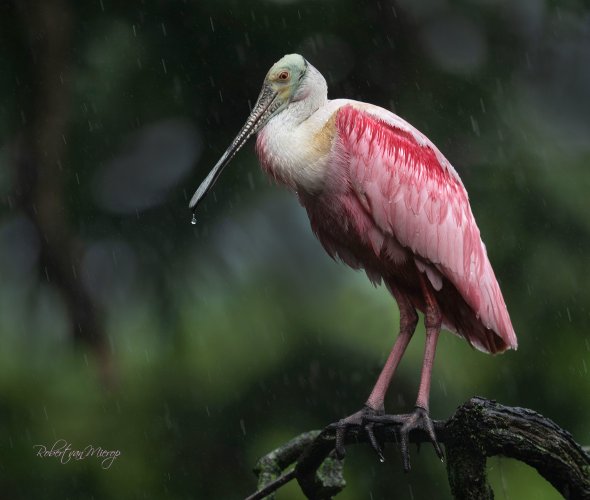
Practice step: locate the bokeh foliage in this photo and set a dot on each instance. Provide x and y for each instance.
(231, 336)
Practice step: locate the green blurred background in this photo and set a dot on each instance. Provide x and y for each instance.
(194, 350)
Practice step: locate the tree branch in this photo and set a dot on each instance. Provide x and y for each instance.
(482, 428)
(479, 429)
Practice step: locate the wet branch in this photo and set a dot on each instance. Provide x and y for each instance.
(479, 429)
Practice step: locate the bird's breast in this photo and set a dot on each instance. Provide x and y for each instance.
(298, 155)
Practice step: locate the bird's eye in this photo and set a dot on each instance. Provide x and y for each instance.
(283, 75)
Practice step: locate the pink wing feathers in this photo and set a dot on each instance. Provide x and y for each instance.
(412, 193)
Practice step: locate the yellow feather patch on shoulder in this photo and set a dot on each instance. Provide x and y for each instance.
(322, 140)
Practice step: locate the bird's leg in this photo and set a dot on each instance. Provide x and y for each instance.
(408, 319)
(420, 418)
(374, 405)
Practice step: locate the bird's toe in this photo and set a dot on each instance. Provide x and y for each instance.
(361, 418)
(418, 419)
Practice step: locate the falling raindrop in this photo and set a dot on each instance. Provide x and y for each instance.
(194, 220)
(474, 125)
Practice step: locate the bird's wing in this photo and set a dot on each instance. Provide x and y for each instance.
(413, 193)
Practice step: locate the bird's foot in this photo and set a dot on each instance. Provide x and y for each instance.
(418, 419)
(362, 418)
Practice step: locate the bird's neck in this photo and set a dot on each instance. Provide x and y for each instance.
(287, 147)
(297, 112)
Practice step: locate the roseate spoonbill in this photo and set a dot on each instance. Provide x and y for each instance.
(380, 196)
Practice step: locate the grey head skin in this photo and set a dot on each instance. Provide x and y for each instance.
(280, 87)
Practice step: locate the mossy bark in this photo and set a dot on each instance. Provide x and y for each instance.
(479, 429)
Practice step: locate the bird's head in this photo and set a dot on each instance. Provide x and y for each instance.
(285, 82)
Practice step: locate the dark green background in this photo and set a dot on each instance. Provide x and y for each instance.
(220, 341)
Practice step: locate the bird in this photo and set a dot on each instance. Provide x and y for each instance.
(382, 198)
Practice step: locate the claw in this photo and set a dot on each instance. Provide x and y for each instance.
(404, 450)
(374, 442)
(425, 424)
(418, 419)
(360, 419)
(367, 418)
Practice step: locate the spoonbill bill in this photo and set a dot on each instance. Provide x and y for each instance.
(381, 197)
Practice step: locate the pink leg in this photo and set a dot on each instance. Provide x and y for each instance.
(419, 418)
(408, 320)
(374, 405)
(432, 322)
